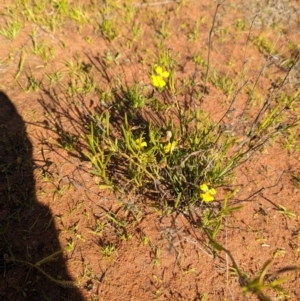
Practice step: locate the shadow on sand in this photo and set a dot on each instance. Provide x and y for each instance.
(27, 232)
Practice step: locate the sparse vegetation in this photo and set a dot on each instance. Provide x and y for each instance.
(142, 143)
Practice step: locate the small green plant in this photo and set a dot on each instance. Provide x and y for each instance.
(264, 45)
(164, 30)
(33, 84)
(78, 13)
(11, 29)
(135, 96)
(194, 33)
(240, 24)
(278, 253)
(20, 65)
(62, 6)
(55, 78)
(291, 141)
(157, 255)
(212, 221)
(110, 58)
(136, 31)
(286, 212)
(198, 60)
(224, 83)
(204, 297)
(145, 240)
(109, 29)
(41, 49)
(66, 140)
(264, 282)
(108, 250)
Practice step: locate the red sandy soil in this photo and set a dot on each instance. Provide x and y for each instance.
(157, 256)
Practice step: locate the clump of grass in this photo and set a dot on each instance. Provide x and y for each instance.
(109, 29)
(172, 160)
(166, 162)
(11, 29)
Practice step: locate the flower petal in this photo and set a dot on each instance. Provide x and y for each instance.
(155, 80)
(212, 191)
(162, 83)
(168, 148)
(165, 74)
(158, 70)
(207, 197)
(140, 143)
(204, 187)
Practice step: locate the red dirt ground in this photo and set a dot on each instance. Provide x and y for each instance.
(51, 200)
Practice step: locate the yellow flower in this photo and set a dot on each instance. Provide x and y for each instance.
(168, 148)
(140, 143)
(162, 73)
(208, 194)
(157, 80)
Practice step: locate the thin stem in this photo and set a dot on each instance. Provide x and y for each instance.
(210, 46)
